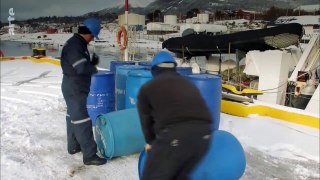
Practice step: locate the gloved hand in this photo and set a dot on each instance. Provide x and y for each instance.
(95, 59)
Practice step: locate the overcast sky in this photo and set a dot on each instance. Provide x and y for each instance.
(25, 9)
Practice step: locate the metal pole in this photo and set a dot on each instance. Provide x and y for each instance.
(126, 56)
(220, 61)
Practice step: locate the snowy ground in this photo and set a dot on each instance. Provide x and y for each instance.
(33, 135)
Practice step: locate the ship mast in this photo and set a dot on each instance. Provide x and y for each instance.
(126, 56)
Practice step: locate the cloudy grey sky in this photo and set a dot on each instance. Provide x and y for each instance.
(25, 9)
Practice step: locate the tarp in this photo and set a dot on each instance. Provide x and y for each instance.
(263, 39)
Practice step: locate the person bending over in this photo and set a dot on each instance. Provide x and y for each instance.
(175, 120)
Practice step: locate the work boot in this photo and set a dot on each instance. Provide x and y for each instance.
(95, 160)
(74, 151)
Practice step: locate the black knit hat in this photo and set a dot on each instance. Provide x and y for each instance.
(83, 30)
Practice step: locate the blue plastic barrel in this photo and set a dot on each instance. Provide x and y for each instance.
(101, 98)
(146, 64)
(114, 64)
(141, 162)
(135, 80)
(210, 88)
(121, 79)
(225, 159)
(119, 133)
(184, 71)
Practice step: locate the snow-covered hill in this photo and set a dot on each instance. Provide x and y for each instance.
(177, 6)
(135, 3)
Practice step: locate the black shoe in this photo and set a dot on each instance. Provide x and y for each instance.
(95, 160)
(74, 151)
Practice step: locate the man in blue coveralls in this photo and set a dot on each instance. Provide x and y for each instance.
(77, 67)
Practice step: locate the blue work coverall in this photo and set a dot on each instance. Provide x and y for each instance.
(77, 70)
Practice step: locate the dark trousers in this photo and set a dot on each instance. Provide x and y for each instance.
(79, 127)
(176, 151)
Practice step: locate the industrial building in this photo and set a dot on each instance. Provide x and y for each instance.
(134, 20)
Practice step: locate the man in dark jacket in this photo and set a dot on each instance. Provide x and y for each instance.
(175, 120)
(77, 67)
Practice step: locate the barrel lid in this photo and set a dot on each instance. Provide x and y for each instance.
(122, 62)
(103, 73)
(128, 66)
(141, 162)
(140, 73)
(104, 137)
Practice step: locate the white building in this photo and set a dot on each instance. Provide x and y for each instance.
(170, 19)
(203, 18)
(136, 20)
(309, 8)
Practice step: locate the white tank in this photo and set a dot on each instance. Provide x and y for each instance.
(188, 21)
(133, 19)
(170, 19)
(153, 26)
(203, 18)
(160, 27)
(213, 28)
(194, 20)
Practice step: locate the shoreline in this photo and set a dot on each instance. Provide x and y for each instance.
(107, 39)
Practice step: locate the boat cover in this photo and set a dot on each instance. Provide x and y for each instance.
(277, 37)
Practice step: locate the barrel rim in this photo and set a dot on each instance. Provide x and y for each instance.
(204, 76)
(140, 73)
(110, 138)
(103, 73)
(121, 62)
(129, 66)
(140, 161)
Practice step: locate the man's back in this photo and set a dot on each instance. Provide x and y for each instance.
(174, 100)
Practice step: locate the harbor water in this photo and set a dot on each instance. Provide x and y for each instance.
(106, 54)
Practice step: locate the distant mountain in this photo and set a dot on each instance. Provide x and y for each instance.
(135, 3)
(177, 6)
